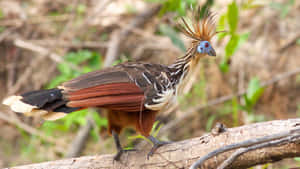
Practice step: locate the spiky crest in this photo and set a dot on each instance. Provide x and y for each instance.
(202, 29)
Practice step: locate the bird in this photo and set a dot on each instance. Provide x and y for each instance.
(133, 93)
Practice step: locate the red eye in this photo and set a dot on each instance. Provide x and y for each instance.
(206, 45)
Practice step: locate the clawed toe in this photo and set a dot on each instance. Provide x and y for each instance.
(117, 157)
(156, 145)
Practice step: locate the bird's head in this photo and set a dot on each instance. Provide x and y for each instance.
(201, 32)
(204, 47)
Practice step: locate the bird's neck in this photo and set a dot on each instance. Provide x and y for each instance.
(183, 66)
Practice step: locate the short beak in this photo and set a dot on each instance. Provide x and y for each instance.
(211, 52)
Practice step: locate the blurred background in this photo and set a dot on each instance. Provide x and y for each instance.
(255, 76)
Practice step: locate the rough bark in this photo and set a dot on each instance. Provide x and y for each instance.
(184, 153)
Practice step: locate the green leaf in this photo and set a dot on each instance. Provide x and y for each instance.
(95, 133)
(284, 11)
(224, 67)
(130, 9)
(254, 91)
(199, 88)
(75, 118)
(79, 56)
(243, 37)
(297, 159)
(169, 5)
(81, 8)
(1, 14)
(298, 111)
(221, 26)
(283, 8)
(64, 69)
(100, 121)
(95, 61)
(177, 6)
(298, 41)
(210, 122)
(173, 35)
(2, 28)
(256, 118)
(232, 46)
(235, 111)
(251, 4)
(153, 1)
(50, 126)
(155, 128)
(233, 16)
(57, 81)
(234, 43)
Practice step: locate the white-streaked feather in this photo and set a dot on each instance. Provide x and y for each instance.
(54, 116)
(10, 100)
(17, 105)
(166, 98)
(36, 112)
(145, 77)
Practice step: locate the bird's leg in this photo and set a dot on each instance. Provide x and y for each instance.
(156, 145)
(119, 147)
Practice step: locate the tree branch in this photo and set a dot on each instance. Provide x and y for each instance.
(255, 143)
(184, 153)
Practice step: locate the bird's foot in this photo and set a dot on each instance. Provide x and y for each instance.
(156, 145)
(117, 157)
(119, 147)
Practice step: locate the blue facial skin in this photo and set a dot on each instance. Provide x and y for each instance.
(205, 47)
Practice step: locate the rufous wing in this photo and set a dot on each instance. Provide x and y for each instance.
(124, 96)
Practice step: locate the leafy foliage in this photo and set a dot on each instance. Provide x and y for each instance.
(254, 91)
(88, 61)
(92, 59)
(284, 8)
(233, 16)
(177, 6)
(231, 19)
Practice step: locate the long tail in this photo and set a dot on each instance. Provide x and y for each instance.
(48, 104)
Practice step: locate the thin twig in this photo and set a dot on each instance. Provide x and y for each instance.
(38, 49)
(233, 156)
(24, 78)
(69, 44)
(34, 20)
(43, 52)
(113, 49)
(246, 143)
(241, 151)
(78, 144)
(12, 56)
(289, 43)
(97, 9)
(59, 144)
(118, 37)
(6, 33)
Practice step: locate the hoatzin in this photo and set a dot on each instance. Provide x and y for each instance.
(133, 93)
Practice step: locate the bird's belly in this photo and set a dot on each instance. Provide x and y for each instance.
(123, 119)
